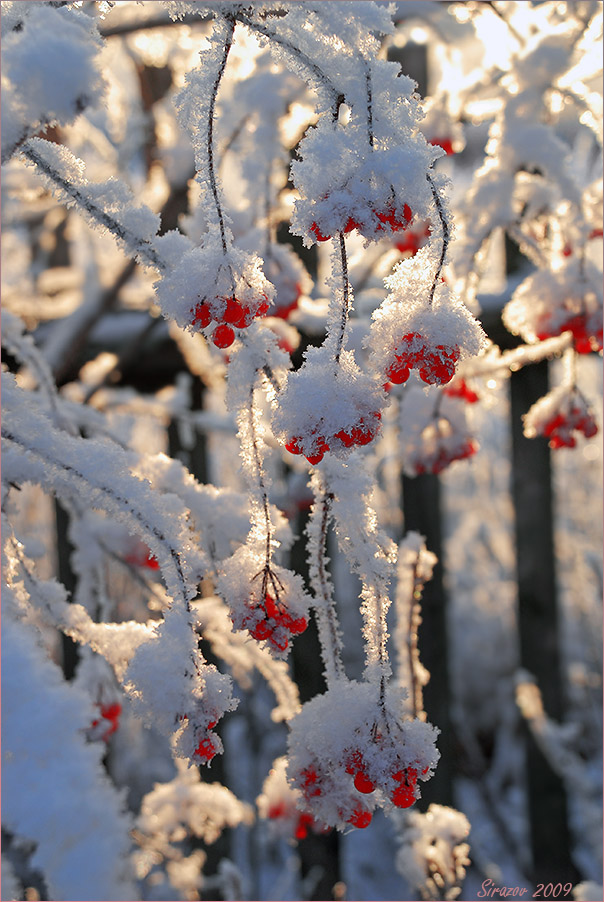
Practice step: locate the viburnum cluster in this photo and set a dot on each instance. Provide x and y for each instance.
(263, 598)
(217, 292)
(421, 326)
(363, 167)
(328, 406)
(369, 757)
(550, 302)
(439, 430)
(279, 803)
(560, 416)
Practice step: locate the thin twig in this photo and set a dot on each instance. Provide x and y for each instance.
(446, 237)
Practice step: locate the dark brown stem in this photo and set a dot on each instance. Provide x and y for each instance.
(265, 505)
(346, 297)
(446, 237)
(210, 134)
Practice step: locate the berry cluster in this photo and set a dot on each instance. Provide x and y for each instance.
(140, 556)
(303, 822)
(368, 756)
(559, 429)
(389, 220)
(435, 363)
(587, 335)
(460, 389)
(360, 434)
(272, 622)
(400, 785)
(226, 312)
(110, 713)
(444, 455)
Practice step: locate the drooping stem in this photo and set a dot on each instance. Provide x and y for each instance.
(261, 482)
(446, 237)
(416, 696)
(345, 309)
(228, 43)
(140, 246)
(325, 609)
(370, 133)
(314, 71)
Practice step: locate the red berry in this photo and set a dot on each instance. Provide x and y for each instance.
(439, 365)
(317, 455)
(205, 750)
(263, 307)
(261, 631)
(234, 313)
(398, 373)
(298, 626)
(318, 234)
(445, 143)
(202, 316)
(151, 562)
(360, 818)
(292, 445)
(111, 712)
(304, 822)
(280, 643)
(346, 439)
(460, 389)
(277, 810)
(403, 797)
(363, 783)
(223, 336)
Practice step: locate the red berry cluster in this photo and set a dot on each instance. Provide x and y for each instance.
(272, 622)
(388, 220)
(227, 312)
(303, 821)
(436, 364)
(445, 455)
(405, 780)
(361, 434)
(585, 338)
(460, 389)
(355, 813)
(559, 429)
(110, 713)
(399, 786)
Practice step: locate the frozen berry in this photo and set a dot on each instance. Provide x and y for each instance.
(202, 316)
(363, 783)
(305, 821)
(223, 336)
(445, 143)
(205, 751)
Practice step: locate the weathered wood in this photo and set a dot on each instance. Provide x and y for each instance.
(538, 624)
(421, 510)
